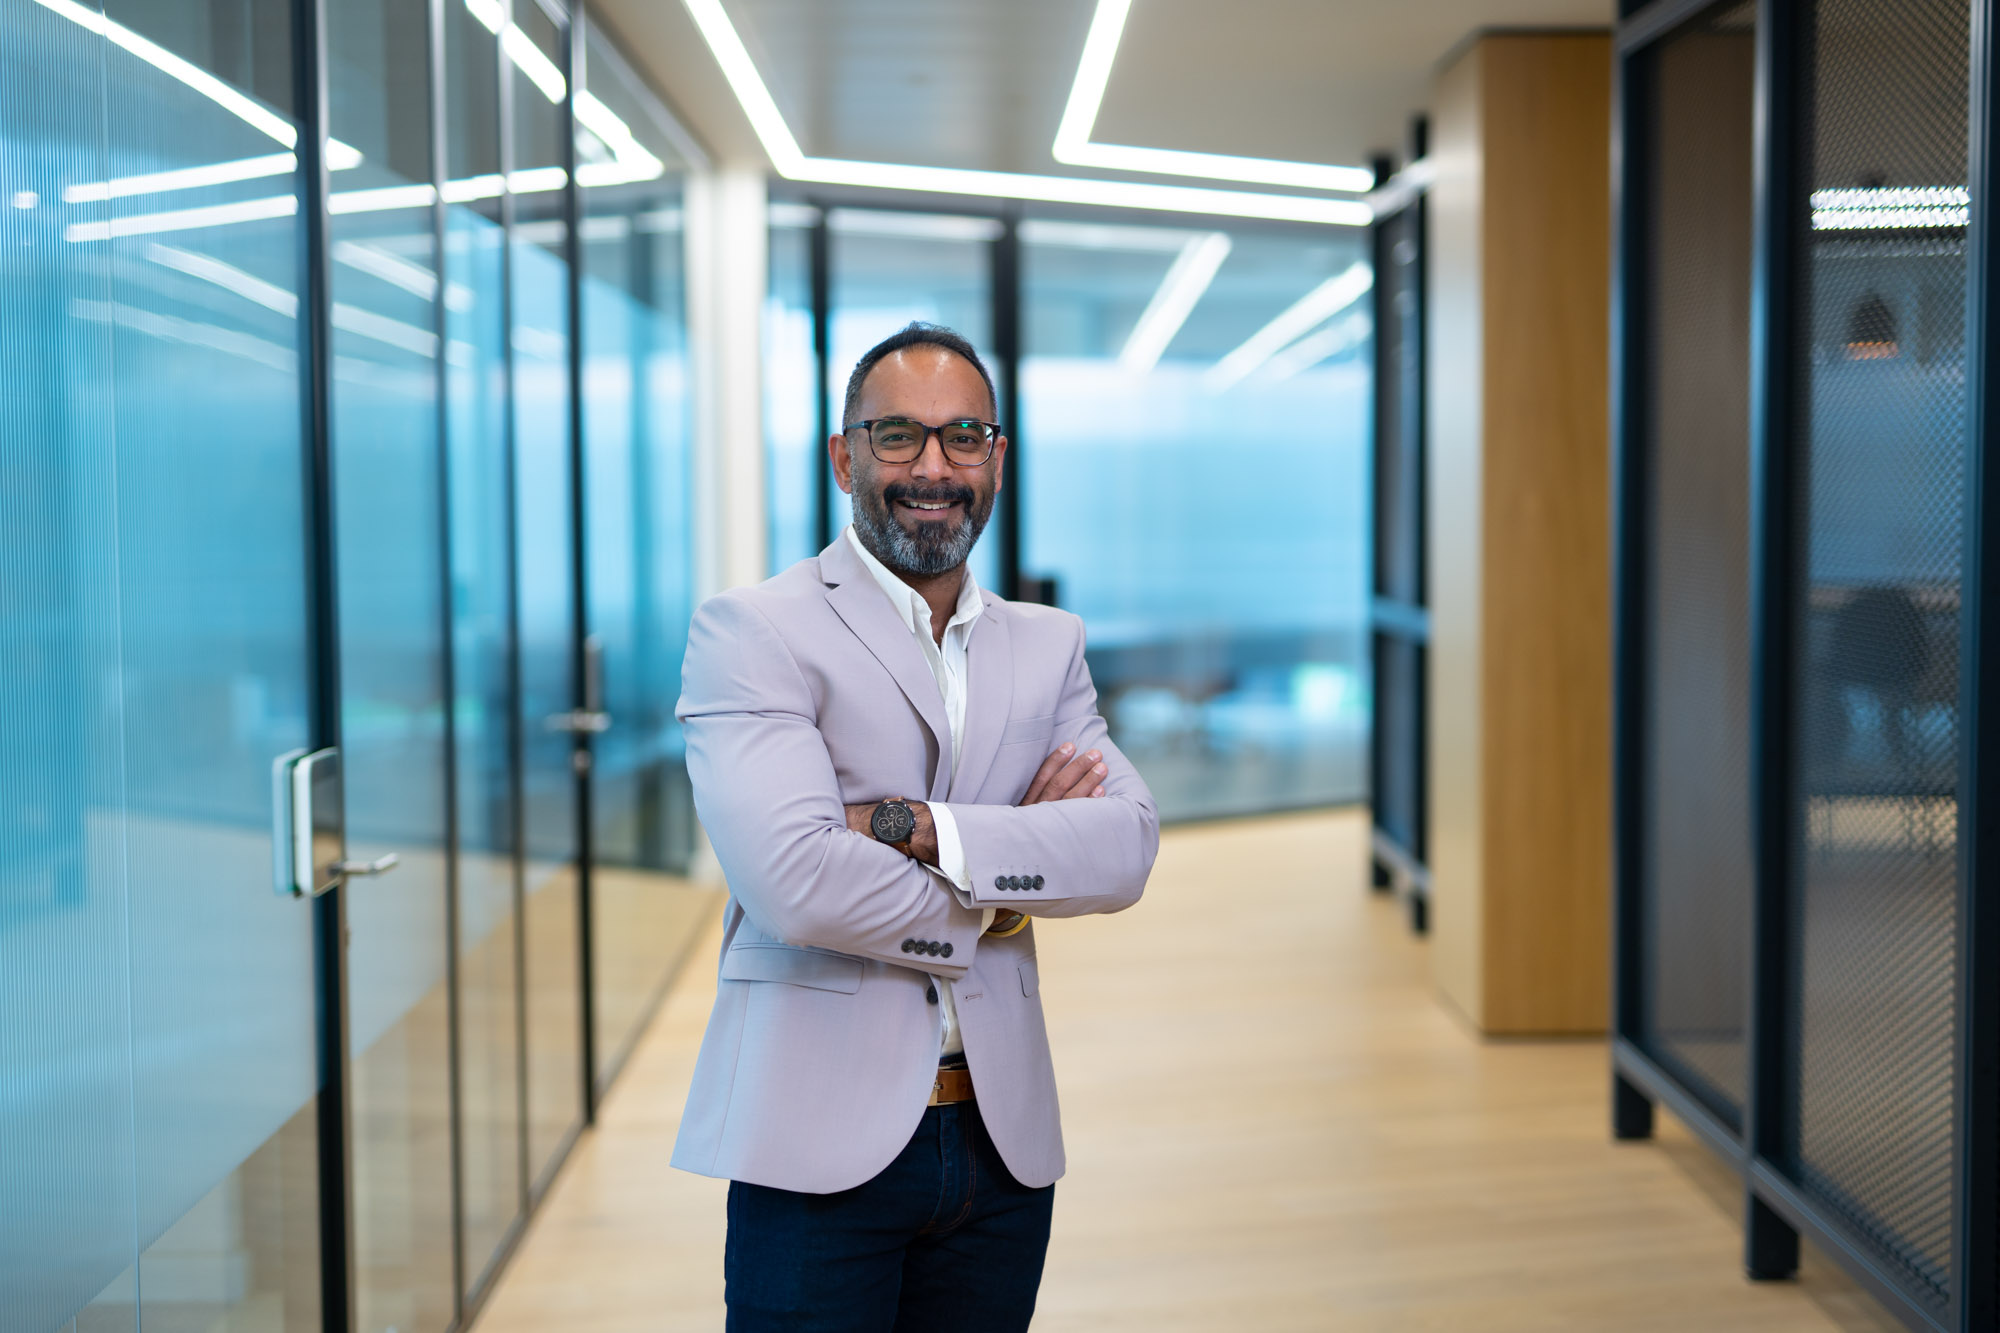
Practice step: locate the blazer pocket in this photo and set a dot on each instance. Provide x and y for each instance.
(1031, 979)
(800, 967)
(1022, 730)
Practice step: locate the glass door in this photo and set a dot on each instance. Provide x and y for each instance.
(395, 742)
(550, 723)
(158, 1034)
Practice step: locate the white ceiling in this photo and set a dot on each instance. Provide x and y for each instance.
(974, 83)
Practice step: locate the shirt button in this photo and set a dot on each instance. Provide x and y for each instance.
(946, 951)
(930, 993)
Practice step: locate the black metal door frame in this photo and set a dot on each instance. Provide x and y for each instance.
(1401, 375)
(1777, 1212)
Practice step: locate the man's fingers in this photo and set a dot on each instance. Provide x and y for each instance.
(1046, 773)
(1077, 778)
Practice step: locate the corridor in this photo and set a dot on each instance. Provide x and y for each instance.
(1273, 1123)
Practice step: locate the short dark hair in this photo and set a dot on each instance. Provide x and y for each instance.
(914, 334)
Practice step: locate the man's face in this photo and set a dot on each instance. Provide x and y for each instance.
(919, 518)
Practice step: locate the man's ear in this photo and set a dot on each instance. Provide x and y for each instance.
(842, 459)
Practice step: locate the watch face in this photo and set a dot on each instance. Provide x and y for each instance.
(893, 821)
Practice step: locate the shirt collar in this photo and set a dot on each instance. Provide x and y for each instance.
(909, 603)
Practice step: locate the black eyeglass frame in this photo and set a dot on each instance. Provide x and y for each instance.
(992, 429)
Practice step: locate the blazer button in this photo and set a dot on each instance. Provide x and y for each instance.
(1013, 881)
(1000, 882)
(931, 948)
(930, 993)
(946, 951)
(909, 946)
(1038, 881)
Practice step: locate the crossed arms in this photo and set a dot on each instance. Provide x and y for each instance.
(766, 790)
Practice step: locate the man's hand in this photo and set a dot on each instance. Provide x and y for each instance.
(1063, 778)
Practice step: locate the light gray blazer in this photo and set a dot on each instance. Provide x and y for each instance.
(803, 695)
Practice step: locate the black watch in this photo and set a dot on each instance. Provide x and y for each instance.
(895, 823)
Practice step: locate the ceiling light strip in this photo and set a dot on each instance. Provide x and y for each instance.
(791, 163)
(1086, 97)
(1186, 281)
(1093, 73)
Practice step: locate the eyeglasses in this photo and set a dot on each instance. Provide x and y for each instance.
(900, 440)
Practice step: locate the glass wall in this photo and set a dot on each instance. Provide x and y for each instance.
(637, 469)
(157, 1020)
(793, 450)
(884, 269)
(1195, 444)
(545, 605)
(162, 1052)
(1175, 382)
(482, 635)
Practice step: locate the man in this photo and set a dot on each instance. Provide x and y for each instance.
(896, 770)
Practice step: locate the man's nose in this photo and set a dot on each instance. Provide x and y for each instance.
(931, 464)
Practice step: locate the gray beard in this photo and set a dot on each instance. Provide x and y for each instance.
(927, 556)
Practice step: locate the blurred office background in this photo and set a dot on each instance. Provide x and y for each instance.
(1542, 432)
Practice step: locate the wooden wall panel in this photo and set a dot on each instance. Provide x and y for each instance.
(1520, 513)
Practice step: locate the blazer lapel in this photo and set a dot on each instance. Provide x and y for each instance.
(858, 602)
(989, 693)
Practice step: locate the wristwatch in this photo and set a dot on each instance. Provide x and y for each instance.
(895, 823)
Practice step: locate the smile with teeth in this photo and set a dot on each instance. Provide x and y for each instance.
(928, 505)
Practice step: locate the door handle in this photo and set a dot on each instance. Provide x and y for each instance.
(584, 721)
(381, 865)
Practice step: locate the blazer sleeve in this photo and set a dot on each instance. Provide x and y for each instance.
(1066, 858)
(766, 792)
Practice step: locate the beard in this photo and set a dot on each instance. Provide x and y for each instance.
(934, 548)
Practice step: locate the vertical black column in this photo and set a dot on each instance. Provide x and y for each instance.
(1007, 352)
(1976, 1198)
(1771, 1246)
(329, 910)
(447, 648)
(1631, 136)
(582, 690)
(821, 278)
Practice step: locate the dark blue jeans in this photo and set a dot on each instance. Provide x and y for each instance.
(943, 1241)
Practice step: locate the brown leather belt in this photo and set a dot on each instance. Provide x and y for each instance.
(953, 1085)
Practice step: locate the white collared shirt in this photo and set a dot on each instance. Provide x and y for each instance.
(947, 662)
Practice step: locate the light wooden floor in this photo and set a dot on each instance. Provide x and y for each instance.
(1272, 1124)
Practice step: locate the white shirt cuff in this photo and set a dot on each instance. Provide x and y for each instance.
(951, 858)
(951, 852)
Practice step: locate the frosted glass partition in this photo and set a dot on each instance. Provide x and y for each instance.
(1197, 409)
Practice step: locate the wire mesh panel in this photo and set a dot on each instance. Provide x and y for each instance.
(1695, 866)
(1399, 479)
(1399, 741)
(1397, 660)
(1880, 402)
